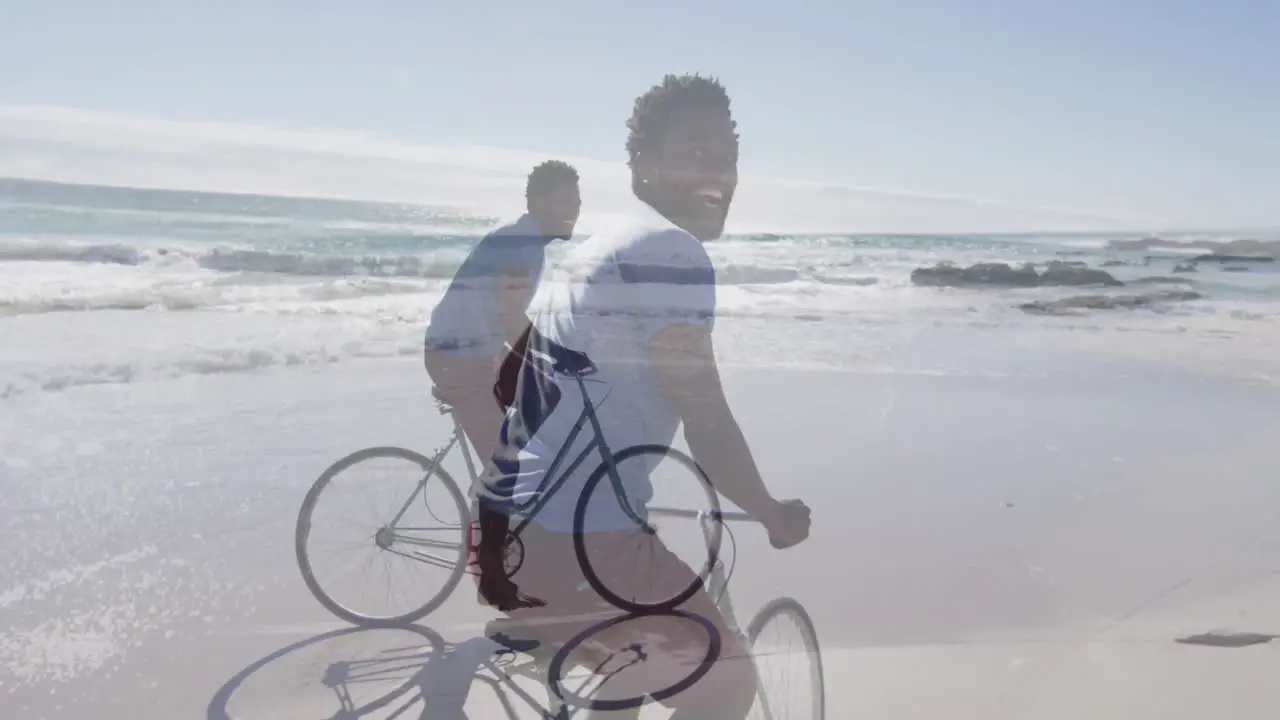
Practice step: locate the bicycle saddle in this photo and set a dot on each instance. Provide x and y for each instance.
(571, 362)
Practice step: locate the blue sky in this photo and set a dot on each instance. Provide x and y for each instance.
(1149, 112)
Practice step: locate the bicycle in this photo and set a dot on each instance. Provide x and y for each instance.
(506, 632)
(566, 363)
(508, 652)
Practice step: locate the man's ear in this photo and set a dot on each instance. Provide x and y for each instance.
(646, 169)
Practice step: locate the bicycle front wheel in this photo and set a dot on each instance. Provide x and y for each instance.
(784, 646)
(636, 569)
(412, 524)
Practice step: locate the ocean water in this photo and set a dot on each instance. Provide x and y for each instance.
(118, 285)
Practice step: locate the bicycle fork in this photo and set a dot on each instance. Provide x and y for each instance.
(717, 585)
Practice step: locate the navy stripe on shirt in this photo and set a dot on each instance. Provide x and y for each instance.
(666, 274)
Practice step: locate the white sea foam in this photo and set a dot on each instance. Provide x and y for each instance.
(117, 286)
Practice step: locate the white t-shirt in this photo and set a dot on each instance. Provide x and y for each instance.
(609, 297)
(465, 321)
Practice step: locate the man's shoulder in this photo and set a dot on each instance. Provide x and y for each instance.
(644, 239)
(664, 254)
(521, 233)
(645, 268)
(515, 243)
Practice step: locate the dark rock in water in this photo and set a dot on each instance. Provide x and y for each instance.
(1235, 268)
(1185, 267)
(1002, 275)
(1067, 306)
(1222, 257)
(1161, 280)
(1114, 263)
(997, 274)
(1226, 640)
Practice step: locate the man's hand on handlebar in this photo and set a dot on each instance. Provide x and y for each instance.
(787, 523)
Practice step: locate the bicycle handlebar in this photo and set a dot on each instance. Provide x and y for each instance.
(702, 514)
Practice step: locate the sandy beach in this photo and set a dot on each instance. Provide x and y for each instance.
(1026, 543)
(996, 294)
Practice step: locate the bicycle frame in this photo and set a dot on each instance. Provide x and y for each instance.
(717, 584)
(502, 678)
(546, 489)
(717, 587)
(458, 438)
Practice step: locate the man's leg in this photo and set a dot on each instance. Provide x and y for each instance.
(481, 420)
(551, 571)
(728, 689)
(466, 382)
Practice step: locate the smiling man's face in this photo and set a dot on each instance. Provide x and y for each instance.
(694, 171)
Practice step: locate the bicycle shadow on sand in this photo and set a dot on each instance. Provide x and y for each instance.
(349, 673)
(406, 672)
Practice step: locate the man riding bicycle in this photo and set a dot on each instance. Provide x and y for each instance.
(639, 301)
(485, 306)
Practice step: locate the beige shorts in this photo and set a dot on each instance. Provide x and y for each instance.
(464, 375)
(631, 564)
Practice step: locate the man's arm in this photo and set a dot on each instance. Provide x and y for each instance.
(684, 361)
(511, 295)
(512, 291)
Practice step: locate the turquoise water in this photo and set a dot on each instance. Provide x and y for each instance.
(36, 209)
(162, 283)
(45, 221)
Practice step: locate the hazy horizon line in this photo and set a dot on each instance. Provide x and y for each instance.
(498, 218)
(115, 149)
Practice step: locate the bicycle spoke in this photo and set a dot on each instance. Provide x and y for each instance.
(424, 558)
(651, 581)
(784, 650)
(396, 537)
(416, 537)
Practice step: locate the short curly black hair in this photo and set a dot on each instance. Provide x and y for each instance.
(548, 175)
(654, 109)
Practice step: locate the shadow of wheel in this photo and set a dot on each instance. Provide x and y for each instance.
(639, 652)
(335, 674)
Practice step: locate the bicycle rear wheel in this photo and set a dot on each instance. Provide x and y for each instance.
(643, 576)
(784, 647)
(407, 532)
